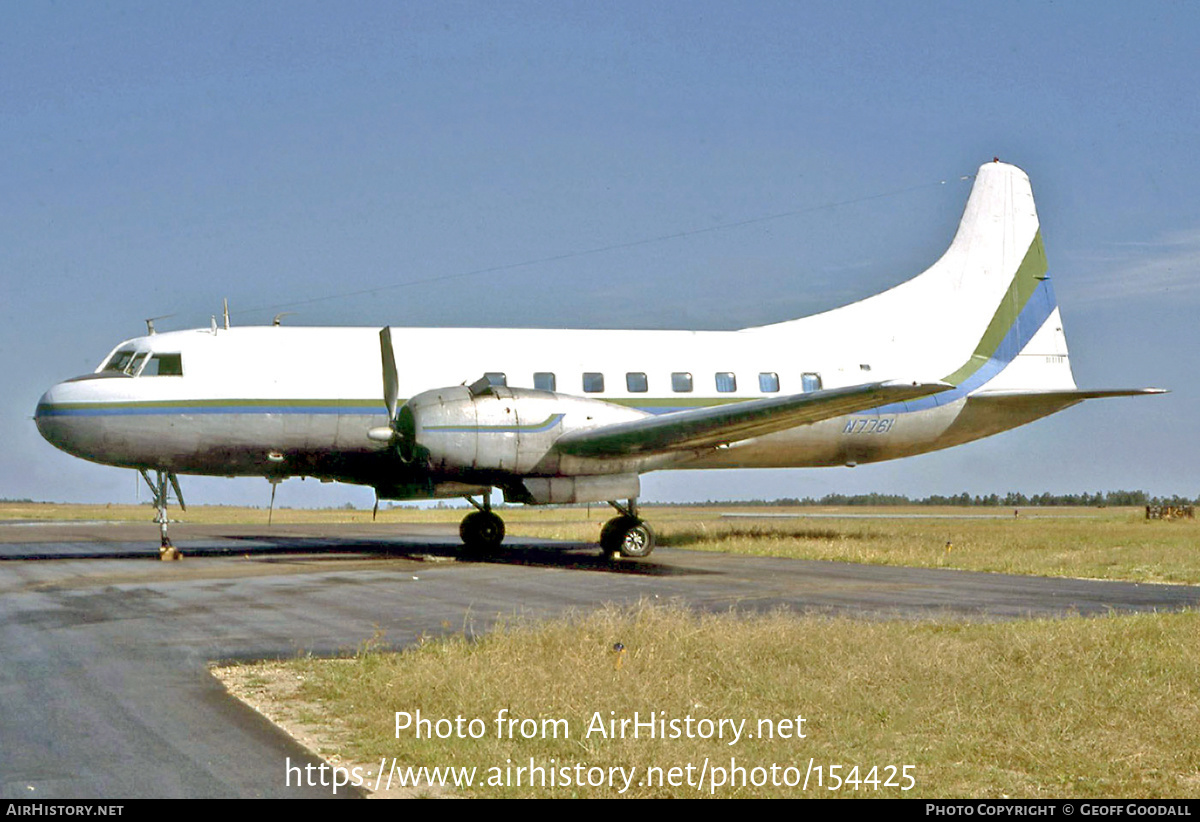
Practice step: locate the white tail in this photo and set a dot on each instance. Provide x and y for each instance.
(984, 308)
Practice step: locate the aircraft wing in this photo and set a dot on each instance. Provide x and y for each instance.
(723, 424)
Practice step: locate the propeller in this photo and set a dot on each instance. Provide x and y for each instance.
(391, 387)
(401, 430)
(391, 377)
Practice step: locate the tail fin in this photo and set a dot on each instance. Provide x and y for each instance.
(984, 308)
(999, 246)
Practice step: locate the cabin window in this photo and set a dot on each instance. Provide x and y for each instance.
(726, 382)
(635, 382)
(768, 382)
(496, 378)
(164, 365)
(811, 382)
(593, 382)
(544, 380)
(681, 382)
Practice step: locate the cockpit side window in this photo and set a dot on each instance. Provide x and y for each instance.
(164, 365)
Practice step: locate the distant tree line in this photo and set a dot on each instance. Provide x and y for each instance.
(1013, 499)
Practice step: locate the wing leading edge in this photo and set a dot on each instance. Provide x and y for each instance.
(724, 424)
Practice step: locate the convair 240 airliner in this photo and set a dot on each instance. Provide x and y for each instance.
(971, 347)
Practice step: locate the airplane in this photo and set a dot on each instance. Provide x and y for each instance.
(971, 347)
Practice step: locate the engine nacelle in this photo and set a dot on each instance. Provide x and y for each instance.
(499, 430)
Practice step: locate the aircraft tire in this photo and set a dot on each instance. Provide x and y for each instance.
(481, 531)
(626, 537)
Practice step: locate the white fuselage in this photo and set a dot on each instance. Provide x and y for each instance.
(283, 401)
(273, 401)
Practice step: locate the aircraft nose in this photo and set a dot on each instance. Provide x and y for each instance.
(54, 421)
(71, 417)
(43, 415)
(45, 401)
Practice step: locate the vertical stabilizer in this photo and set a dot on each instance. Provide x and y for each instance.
(973, 312)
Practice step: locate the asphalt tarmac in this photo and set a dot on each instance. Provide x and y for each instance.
(104, 692)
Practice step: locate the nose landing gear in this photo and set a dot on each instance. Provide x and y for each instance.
(164, 482)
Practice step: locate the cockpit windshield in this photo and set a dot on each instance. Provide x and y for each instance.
(119, 362)
(133, 363)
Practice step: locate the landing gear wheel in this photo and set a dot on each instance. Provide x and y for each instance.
(168, 552)
(626, 536)
(481, 531)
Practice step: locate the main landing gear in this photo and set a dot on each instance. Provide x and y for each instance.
(164, 482)
(626, 535)
(481, 530)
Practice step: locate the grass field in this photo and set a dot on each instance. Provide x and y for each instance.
(1111, 543)
(1105, 707)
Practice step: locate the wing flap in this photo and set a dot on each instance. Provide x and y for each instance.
(724, 424)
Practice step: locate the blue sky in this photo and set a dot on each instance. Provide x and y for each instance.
(156, 158)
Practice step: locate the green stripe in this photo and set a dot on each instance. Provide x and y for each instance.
(531, 426)
(259, 403)
(1029, 274)
(628, 402)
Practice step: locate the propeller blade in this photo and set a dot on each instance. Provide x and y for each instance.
(391, 377)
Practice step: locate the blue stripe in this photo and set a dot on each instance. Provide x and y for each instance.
(1033, 316)
(196, 410)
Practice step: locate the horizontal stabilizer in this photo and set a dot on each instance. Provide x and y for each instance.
(724, 424)
(1055, 400)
